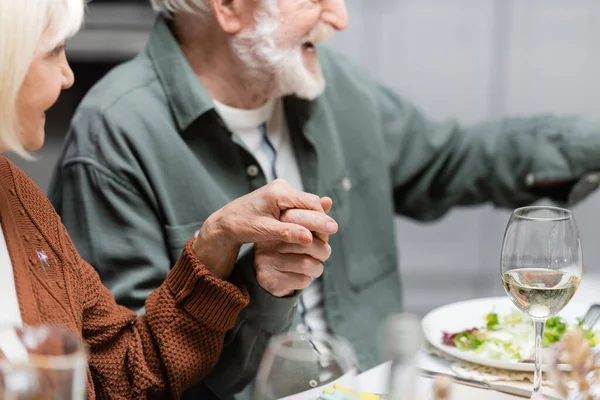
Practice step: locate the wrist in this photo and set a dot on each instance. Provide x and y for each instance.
(214, 248)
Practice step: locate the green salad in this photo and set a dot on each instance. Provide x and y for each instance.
(510, 337)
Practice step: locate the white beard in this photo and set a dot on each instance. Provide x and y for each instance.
(277, 71)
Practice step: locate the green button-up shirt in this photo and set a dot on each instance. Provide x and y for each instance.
(148, 160)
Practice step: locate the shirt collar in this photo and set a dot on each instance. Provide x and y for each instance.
(188, 99)
(187, 96)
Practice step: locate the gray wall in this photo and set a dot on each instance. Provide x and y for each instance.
(467, 59)
(472, 60)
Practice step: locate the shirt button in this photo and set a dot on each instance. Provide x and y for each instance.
(252, 171)
(529, 179)
(347, 184)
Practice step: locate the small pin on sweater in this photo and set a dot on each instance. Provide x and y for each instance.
(43, 258)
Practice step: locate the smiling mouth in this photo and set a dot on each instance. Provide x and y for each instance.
(309, 46)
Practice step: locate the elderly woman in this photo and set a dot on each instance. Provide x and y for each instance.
(43, 280)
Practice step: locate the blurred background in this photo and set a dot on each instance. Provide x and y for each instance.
(463, 59)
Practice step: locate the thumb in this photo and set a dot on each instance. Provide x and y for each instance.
(326, 203)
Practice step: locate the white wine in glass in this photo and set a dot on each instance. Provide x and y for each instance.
(540, 292)
(541, 267)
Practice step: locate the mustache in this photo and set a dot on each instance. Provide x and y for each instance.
(320, 33)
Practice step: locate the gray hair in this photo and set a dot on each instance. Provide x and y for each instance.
(170, 7)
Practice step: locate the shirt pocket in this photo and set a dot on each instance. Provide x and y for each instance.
(364, 212)
(178, 235)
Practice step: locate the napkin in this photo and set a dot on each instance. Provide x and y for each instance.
(509, 378)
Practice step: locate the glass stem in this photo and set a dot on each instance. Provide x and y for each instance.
(537, 375)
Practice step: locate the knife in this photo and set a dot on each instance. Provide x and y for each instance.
(519, 392)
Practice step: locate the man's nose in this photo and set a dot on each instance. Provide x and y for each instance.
(335, 14)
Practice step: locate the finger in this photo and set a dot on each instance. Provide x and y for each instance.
(326, 203)
(314, 221)
(281, 284)
(298, 264)
(268, 229)
(318, 249)
(287, 197)
(321, 236)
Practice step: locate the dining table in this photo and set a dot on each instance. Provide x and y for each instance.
(376, 380)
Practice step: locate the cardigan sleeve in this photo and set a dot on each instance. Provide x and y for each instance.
(155, 356)
(174, 345)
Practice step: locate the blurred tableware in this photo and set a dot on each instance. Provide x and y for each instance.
(402, 340)
(42, 363)
(582, 381)
(515, 391)
(299, 365)
(591, 317)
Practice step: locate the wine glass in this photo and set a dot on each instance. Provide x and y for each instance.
(302, 365)
(541, 266)
(39, 363)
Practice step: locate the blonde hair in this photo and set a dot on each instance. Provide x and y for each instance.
(22, 24)
(170, 7)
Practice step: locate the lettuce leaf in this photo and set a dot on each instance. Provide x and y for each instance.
(516, 317)
(554, 331)
(492, 321)
(467, 341)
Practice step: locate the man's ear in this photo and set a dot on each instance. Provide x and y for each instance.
(229, 14)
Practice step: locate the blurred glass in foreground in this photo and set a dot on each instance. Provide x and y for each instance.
(297, 365)
(41, 363)
(402, 341)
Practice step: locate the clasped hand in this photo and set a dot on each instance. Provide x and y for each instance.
(289, 228)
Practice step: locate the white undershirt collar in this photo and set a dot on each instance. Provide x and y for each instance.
(237, 119)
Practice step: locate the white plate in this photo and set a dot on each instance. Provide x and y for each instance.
(469, 314)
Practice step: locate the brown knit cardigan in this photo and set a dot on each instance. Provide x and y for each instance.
(158, 355)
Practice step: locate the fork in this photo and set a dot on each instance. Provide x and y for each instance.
(591, 317)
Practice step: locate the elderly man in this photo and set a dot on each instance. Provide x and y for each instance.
(229, 95)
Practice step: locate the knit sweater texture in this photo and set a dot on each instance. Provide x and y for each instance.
(155, 356)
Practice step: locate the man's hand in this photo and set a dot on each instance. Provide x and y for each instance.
(255, 218)
(283, 268)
